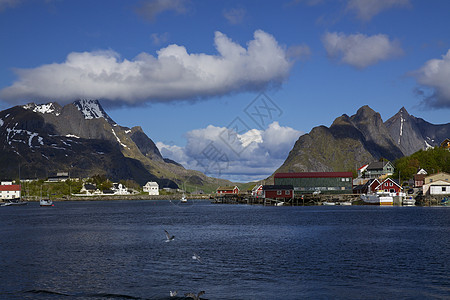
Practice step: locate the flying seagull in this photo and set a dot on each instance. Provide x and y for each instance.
(194, 296)
(196, 257)
(169, 237)
(173, 294)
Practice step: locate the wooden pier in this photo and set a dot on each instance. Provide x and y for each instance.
(308, 199)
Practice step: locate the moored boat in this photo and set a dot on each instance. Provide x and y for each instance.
(46, 202)
(409, 201)
(184, 199)
(14, 202)
(382, 199)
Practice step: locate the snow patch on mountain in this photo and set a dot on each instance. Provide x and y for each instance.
(16, 135)
(118, 140)
(48, 108)
(1, 122)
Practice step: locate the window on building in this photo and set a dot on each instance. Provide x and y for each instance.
(443, 189)
(287, 192)
(278, 192)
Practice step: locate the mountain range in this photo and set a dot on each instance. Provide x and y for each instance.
(39, 140)
(352, 141)
(80, 138)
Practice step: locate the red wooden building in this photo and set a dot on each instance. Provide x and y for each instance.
(223, 190)
(390, 186)
(278, 192)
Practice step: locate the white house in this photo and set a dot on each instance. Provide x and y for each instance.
(257, 190)
(152, 188)
(438, 187)
(119, 189)
(9, 190)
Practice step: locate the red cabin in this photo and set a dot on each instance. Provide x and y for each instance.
(278, 192)
(389, 186)
(227, 190)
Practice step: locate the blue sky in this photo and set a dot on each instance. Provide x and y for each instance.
(186, 71)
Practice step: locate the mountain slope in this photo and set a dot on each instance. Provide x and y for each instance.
(347, 144)
(81, 138)
(413, 134)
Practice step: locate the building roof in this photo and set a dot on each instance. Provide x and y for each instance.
(314, 175)
(227, 188)
(378, 165)
(9, 187)
(88, 186)
(277, 187)
(395, 181)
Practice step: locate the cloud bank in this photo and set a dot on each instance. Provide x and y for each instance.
(360, 50)
(254, 155)
(174, 74)
(435, 75)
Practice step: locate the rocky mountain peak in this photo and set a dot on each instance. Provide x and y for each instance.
(91, 109)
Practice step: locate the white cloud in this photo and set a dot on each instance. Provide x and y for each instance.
(359, 50)
(252, 155)
(234, 15)
(174, 74)
(366, 9)
(150, 9)
(435, 74)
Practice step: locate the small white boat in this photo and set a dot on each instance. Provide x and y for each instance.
(14, 202)
(345, 203)
(183, 199)
(380, 198)
(328, 203)
(279, 203)
(409, 201)
(46, 202)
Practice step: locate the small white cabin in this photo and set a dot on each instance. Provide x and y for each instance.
(152, 188)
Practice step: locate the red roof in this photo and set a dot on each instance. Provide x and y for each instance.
(10, 187)
(314, 175)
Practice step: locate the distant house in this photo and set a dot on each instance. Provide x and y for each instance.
(446, 144)
(257, 190)
(362, 170)
(389, 186)
(379, 169)
(278, 192)
(439, 187)
(230, 190)
(9, 191)
(152, 188)
(119, 189)
(89, 189)
(419, 180)
(438, 180)
(60, 177)
(367, 188)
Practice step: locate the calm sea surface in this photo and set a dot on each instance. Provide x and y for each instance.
(117, 250)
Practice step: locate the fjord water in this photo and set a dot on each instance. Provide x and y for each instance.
(117, 250)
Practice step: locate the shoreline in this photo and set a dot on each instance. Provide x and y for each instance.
(117, 197)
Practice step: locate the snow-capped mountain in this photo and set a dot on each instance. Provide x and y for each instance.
(80, 137)
(46, 138)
